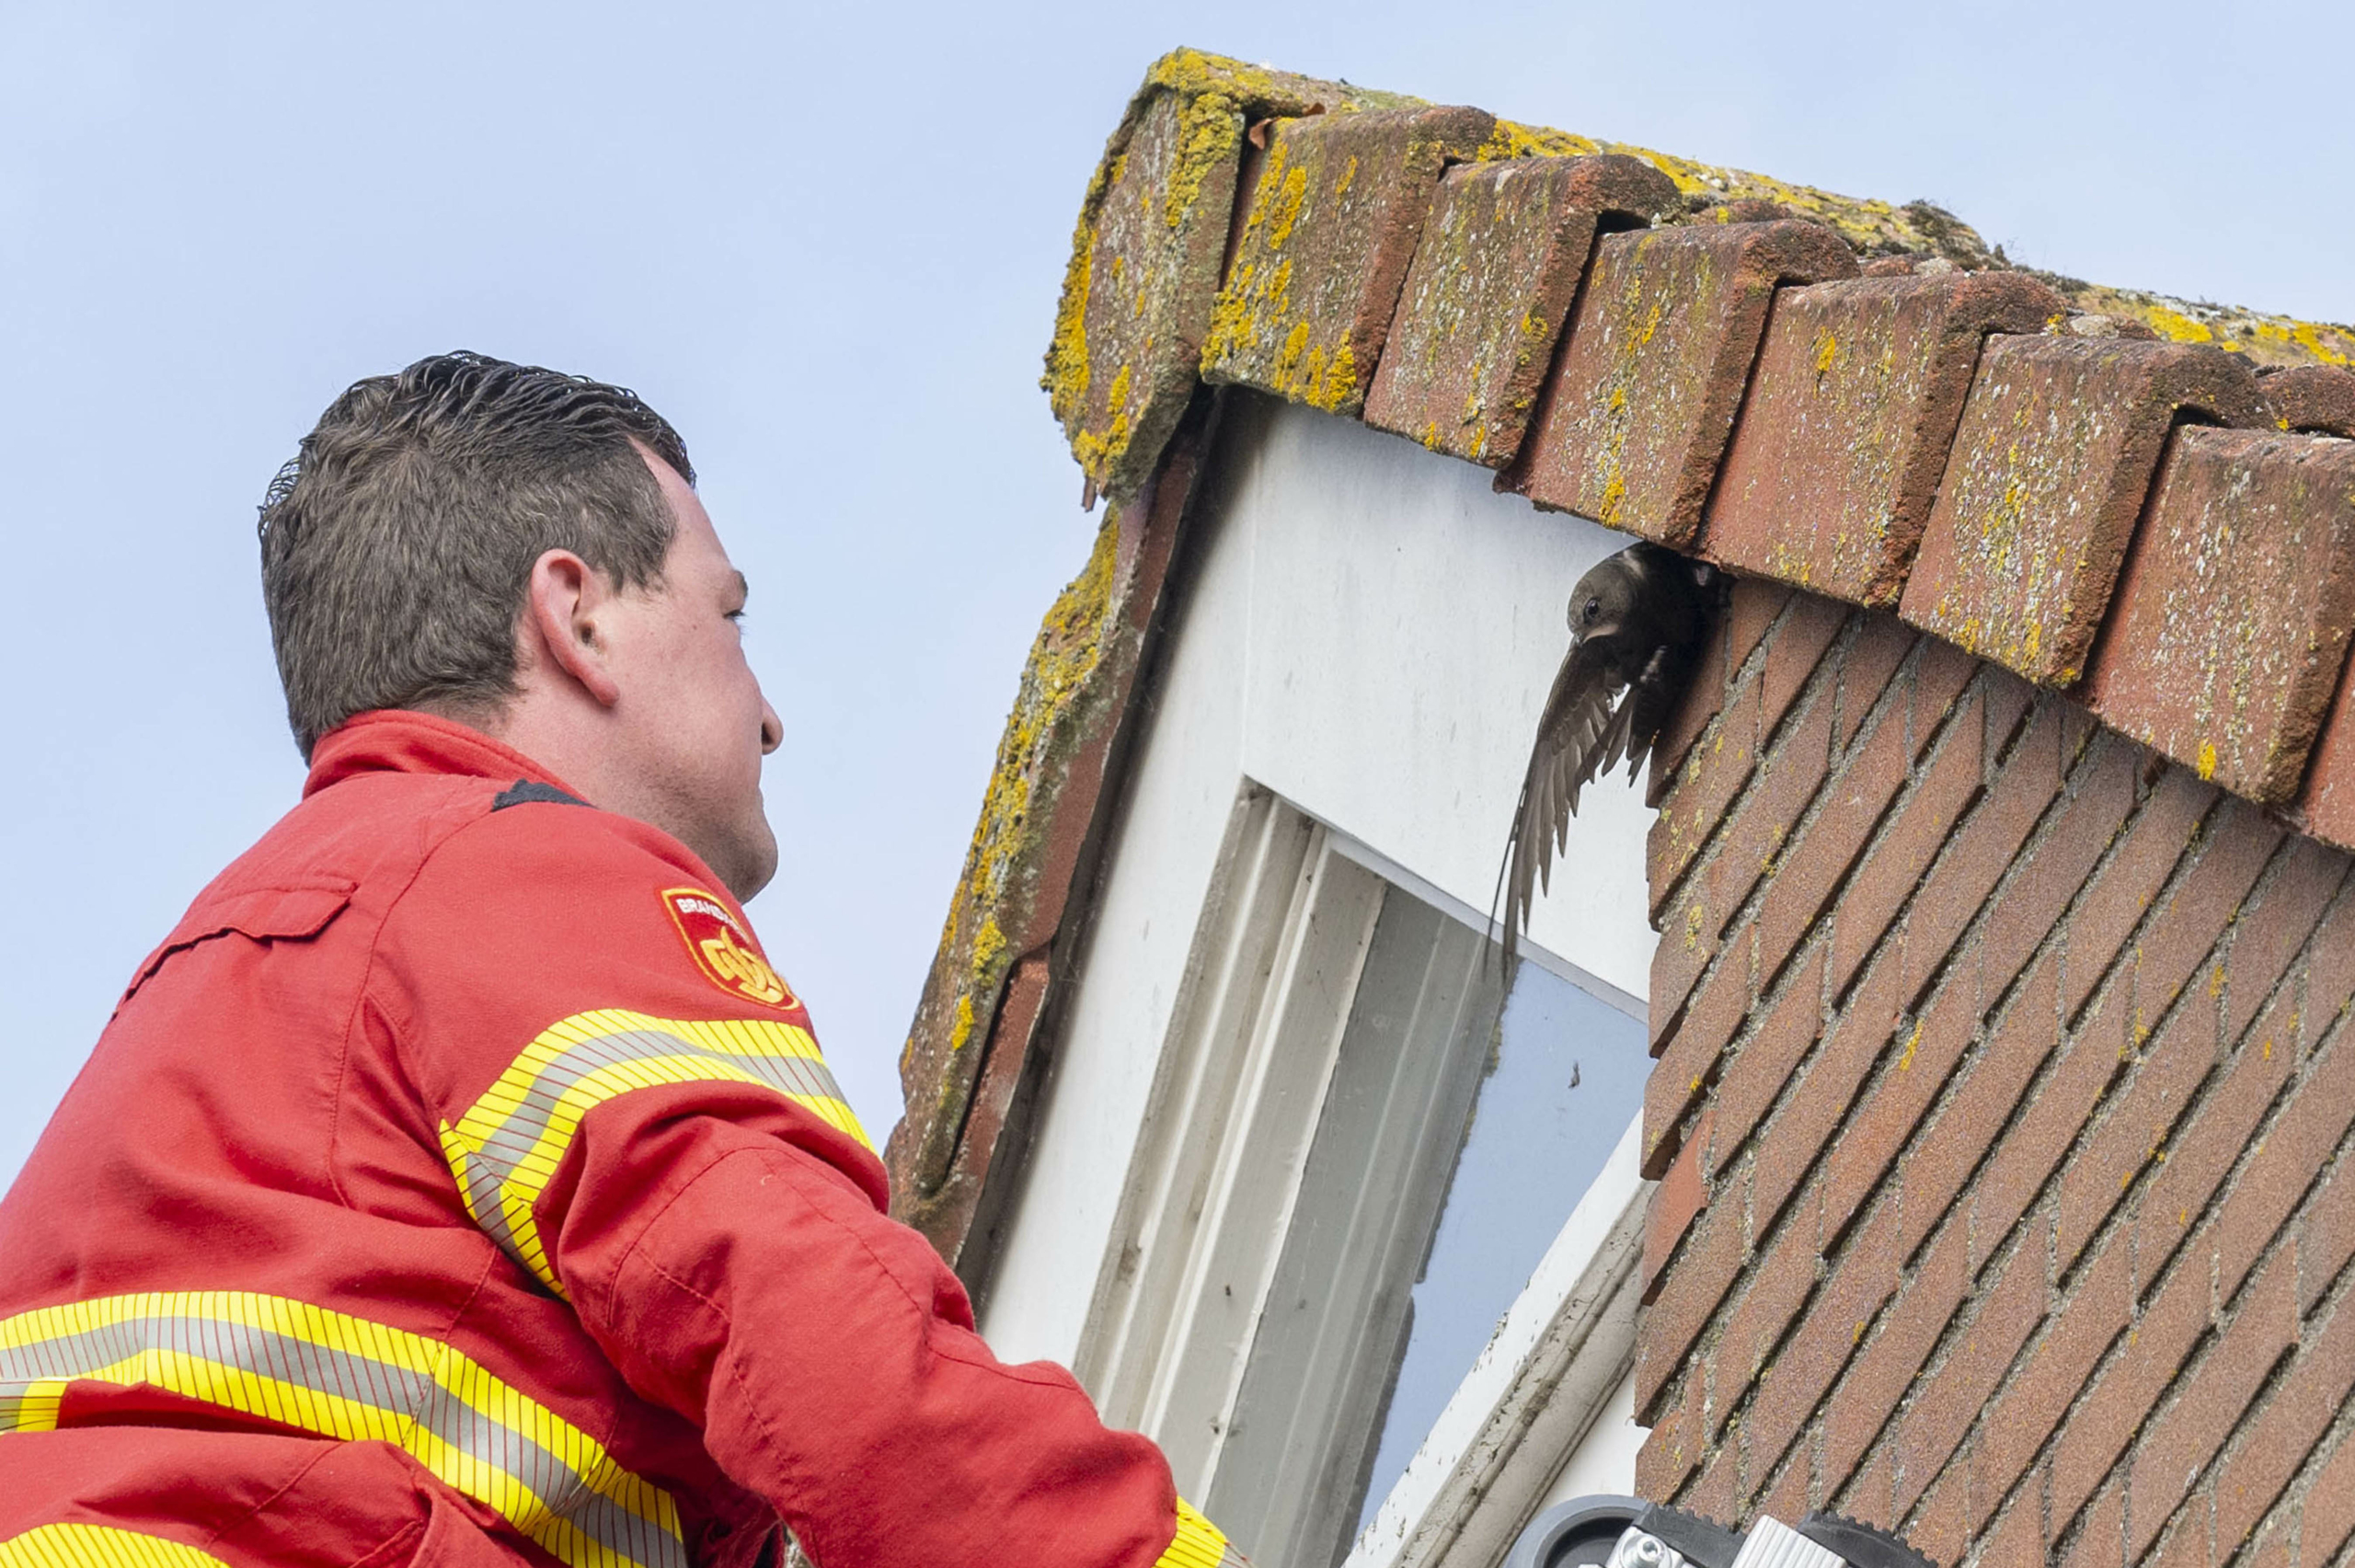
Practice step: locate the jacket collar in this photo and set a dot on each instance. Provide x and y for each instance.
(401, 740)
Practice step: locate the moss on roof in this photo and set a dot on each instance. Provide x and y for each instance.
(1874, 228)
(1149, 256)
(1882, 228)
(2266, 338)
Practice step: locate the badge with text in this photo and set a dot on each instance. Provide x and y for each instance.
(723, 950)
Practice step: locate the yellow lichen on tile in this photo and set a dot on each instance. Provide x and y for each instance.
(1192, 106)
(1194, 72)
(1067, 370)
(1339, 381)
(1220, 95)
(1005, 839)
(1285, 211)
(1209, 135)
(2264, 338)
(1509, 140)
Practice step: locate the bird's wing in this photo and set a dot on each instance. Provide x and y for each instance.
(1573, 734)
(1618, 740)
(1651, 698)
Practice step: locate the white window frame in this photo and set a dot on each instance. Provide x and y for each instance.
(1203, 1219)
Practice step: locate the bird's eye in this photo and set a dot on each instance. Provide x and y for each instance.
(1593, 608)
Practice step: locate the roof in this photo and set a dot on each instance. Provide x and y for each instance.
(2145, 501)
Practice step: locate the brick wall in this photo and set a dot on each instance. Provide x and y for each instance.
(2002, 1090)
(1849, 398)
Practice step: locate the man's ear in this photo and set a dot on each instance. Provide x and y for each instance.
(563, 604)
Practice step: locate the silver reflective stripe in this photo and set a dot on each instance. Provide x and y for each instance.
(466, 1426)
(22, 1409)
(507, 1145)
(520, 1131)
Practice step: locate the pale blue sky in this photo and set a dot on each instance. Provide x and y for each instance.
(826, 241)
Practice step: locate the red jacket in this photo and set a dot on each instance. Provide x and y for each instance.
(458, 1183)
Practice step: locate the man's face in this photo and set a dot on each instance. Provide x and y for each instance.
(691, 711)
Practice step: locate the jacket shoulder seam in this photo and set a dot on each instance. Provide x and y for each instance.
(365, 993)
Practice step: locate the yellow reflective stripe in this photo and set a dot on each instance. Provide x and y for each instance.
(1199, 1544)
(98, 1545)
(303, 1367)
(505, 1149)
(31, 1406)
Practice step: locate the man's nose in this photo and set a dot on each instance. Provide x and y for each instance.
(771, 728)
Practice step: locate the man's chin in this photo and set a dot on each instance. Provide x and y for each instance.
(753, 866)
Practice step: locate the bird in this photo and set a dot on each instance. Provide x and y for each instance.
(1640, 623)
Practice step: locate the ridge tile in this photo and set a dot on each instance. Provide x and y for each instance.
(2315, 399)
(1490, 291)
(2230, 625)
(1851, 412)
(1634, 423)
(1137, 304)
(2059, 441)
(1335, 215)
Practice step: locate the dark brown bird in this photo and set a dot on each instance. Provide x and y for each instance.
(1639, 621)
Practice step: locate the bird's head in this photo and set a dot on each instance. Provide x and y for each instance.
(1605, 600)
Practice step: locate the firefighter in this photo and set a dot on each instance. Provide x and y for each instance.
(459, 1182)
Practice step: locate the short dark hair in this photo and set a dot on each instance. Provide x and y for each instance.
(396, 546)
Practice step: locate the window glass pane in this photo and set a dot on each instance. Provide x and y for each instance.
(1294, 1463)
(1565, 1078)
(1459, 1129)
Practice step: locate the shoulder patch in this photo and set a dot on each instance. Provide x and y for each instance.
(723, 949)
(524, 791)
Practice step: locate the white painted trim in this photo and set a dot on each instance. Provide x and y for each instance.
(1557, 1356)
(1369, 632)
(1202, 1223)
(1278, 953)
(1252, 887)
(1317, 1391)
(1603, 1460)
